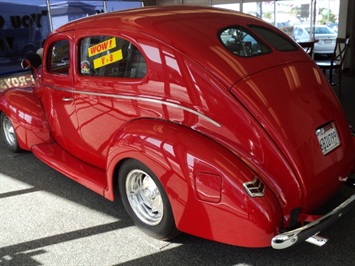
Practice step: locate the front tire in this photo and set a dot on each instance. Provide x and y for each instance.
(145, 200)
(9, 134)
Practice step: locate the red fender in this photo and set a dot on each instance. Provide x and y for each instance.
(26, 115)
(203, 180)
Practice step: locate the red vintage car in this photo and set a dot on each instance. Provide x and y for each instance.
(207, 121)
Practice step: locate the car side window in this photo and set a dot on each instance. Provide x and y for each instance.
(59, 58)
(240, 42)
(107, 56)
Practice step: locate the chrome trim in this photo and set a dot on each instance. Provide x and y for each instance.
(67, 99)
(129, 97)
(254, 188)
(290, 238)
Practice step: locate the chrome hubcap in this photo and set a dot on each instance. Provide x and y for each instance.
(9, 132)
(144, 197)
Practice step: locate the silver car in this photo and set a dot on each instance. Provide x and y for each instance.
(324, 36)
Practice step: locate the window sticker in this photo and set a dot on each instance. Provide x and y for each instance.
(108, 59)
(102, 47)
(85, 67)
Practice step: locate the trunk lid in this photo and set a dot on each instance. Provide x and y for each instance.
(294, 103)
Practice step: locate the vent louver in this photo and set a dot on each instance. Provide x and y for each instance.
(254, 188)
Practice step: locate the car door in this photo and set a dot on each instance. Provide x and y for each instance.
(108, 68)
(57, 91)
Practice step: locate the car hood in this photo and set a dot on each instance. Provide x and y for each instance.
(291, 102)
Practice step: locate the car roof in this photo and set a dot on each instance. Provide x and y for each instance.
(193, 30)
(163, 21)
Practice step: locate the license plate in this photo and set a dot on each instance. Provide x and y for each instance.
(328, 138)
(327, 41)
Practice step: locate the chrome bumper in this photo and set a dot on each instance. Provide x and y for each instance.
(287, 239)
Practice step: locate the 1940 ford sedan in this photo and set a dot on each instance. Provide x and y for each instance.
(207, 121)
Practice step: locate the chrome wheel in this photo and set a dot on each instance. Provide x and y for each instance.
(8, 131)
(145, 200)
(144, 197)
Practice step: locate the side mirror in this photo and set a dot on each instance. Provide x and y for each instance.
(25, 64)
(32, 60)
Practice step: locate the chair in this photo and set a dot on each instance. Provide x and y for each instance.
(336, 61)
(308, 47)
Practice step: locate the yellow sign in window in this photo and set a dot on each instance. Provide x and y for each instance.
(102, 47)
(108, 59)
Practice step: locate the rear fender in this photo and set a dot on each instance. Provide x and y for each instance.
(203, 181)
(26, 114)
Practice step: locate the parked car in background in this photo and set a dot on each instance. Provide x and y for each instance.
(205, 121)
(325, 37)
(334, 26)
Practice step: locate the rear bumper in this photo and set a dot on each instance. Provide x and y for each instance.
(321, 48)
(290, 238)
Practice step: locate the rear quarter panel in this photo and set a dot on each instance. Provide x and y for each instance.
(177, 155)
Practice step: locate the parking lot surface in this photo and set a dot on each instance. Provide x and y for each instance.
(48, 219)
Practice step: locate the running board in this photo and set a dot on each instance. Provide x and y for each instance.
(89, 176)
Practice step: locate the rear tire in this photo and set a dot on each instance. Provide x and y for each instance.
(145, 200)
(9, 134)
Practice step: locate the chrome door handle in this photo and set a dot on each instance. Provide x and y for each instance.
(67, 99)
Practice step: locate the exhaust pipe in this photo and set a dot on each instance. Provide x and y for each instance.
(350, 181)
(317, 240)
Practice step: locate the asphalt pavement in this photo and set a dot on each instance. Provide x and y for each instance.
(48, 219)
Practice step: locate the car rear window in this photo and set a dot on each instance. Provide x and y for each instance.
(273, 38)
(241, 42)
(321, 30)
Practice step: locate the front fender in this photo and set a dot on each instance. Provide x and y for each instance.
(203, 180)
(26, 114)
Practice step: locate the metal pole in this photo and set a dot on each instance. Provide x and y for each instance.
(275, 13)
(49, 15)
(314, 18)
(105, 6)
